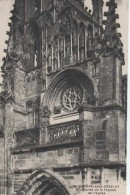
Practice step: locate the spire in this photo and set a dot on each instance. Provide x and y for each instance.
(111, 35)
(110, 23)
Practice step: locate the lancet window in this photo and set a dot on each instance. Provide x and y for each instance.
(37, 5)
(90, 41)
(61, 50)
(34, 46)
(55, 54)
(75, 42)
(67, 46)
(37, 113)
(30, 117)
(82, 42)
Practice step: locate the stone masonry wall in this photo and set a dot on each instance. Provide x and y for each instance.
(2, 168)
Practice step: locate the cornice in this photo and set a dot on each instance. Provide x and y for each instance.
(93, 108)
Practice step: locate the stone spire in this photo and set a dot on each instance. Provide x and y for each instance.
(110, 23)
(111, 35)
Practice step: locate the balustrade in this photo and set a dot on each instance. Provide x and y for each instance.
(27, 137)
(64, 132)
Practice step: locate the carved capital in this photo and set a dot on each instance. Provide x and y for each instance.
(45, 112)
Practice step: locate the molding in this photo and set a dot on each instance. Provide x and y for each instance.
(20, 111)
(46, 147)
(110, 165)
(101, 108)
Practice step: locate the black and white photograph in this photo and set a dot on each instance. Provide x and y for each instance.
(63, 97)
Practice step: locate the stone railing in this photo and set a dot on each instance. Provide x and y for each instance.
(64, 132)
(27, 137)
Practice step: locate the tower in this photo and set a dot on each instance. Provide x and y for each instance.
(61, 106)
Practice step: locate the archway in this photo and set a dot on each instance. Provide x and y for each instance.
(67, 77)
(45, 182)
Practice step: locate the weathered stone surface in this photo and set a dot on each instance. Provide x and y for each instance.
(62, 104)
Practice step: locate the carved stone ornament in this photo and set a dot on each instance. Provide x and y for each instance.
(71, 97)
(13, 56)
(27, 137)
(8, 97)
(44, 124)
(45, 112)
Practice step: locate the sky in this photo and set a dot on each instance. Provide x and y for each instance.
(7, 5)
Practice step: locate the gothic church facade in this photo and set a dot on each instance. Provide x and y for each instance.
(63, 103)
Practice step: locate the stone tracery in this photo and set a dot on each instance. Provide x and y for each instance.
(71, 97)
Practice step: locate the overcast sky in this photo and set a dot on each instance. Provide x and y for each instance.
(6, 6)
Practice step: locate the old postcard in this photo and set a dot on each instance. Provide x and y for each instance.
(63, 99)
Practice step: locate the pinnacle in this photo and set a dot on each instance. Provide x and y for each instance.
(110, 23)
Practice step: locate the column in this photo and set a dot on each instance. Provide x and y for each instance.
(52, 50)
(64, 46)
(119, 175)
(46, 60)
(102, 176)
(71, 49)
(78, 48)
(88, 177)
(58, 55)
(86, 43)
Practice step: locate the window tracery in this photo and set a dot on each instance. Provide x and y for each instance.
(71, 97)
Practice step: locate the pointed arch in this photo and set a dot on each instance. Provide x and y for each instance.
(82, 41)
(30, 116)
(90, 41)
(75, 41)
(37, 113)
(34, 44)
(45, 182)
(65, 78)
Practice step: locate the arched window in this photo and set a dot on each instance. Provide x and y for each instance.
(61, 50)
(90, 41)
(34, 45)
(35, 53)
(49, 59)
(37, 113)
(37, 5)
(82, 42)
(67, 46)
(75, 42)
(30, 116)
(55, 53)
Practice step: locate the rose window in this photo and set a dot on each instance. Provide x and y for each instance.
(71, 97)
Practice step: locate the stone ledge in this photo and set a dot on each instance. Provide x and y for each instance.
(110, 165)
(92, 108)
(46, 147)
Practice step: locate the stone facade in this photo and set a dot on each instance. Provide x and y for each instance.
(63, 103)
